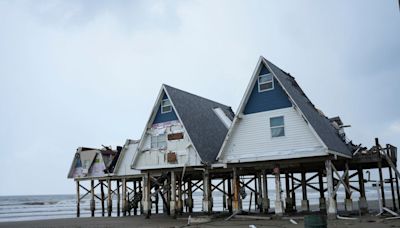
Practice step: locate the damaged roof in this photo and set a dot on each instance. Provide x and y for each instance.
(204, 127)
(318, 121)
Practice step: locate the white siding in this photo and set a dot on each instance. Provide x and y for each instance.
(251, 138)
(125, 160)
(148, 158)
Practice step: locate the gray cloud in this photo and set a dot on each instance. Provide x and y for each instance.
(86, 73)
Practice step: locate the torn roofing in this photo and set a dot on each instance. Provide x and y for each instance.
(204, 127)
(319, 122)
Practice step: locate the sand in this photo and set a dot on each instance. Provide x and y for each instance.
(165, 221)
(160, 220)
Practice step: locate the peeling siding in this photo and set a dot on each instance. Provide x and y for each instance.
(153, 158)
(251, 138)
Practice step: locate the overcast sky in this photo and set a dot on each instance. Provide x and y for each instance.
(86, 73)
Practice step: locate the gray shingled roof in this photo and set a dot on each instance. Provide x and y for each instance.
(204, 127)
(319, 122)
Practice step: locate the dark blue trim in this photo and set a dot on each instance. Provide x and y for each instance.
(164, 117)
(267, 100)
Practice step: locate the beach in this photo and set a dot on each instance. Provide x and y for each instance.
(165, 221)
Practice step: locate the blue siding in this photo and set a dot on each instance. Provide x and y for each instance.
(268, 100)
(164, 117)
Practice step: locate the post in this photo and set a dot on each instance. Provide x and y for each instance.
(146, 201)
(293, 194)
(156, 189)
(172, 203)
(305, 206)
(265, 202)
(391, 180)
(229, 195)
(78, 200)
(278, 199)
(207, 204)
(118, 200)
(381, 182)
(124, 204)
(397, 187)
(288, 200)
(109, 199)
(102, 197)
(255, 192)
(331, 196)
(362, 202)
(348, 203)
(141, 190)
(223, 195)
(236, 188)
(322, 203)
(180, 202)
(92, 202)
(260, 198)
(190, 195)
(135, 207)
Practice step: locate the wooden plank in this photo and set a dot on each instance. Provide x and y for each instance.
(175, 136)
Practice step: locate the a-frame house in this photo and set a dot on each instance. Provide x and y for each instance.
(278, 128)
(184, 132)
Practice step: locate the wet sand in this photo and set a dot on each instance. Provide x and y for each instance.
(366, 221)
(165, 221)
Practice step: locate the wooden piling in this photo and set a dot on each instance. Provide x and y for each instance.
(255, 192)
(391, 180)
(348, 201)
(293, 192)
(288, 200)
(78, 200)
(223, 195)
(331, 211)
(109, 197)
(259, 192)
(92, 202)
(236, 188)
(146, 195)
(180, 202)
(118, 199)
(190, 195)
(362, 202)
(102, 198)
(381, 181)
(124, 203)
(322, 202)
(141, 191)
(135, 191)
(305, 206)
(207, 204)
(278, 197)
(172, 203)
(265, 202)
(229, 183)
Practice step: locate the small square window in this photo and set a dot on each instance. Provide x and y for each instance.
(166, 106)
(265, 82)
(277, 125)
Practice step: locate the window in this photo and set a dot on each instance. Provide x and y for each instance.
(158, 141)
(166, 106)
(265, 82)
(277, 125)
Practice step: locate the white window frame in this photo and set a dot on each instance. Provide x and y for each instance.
(160, 141)
(163, 106)
(279, 126)
(269, 81)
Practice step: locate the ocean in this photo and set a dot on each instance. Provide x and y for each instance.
(36, 207)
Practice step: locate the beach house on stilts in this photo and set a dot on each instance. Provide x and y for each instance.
(277, 130)
(181, 140)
